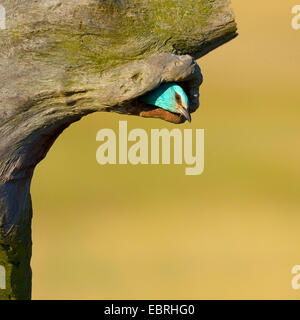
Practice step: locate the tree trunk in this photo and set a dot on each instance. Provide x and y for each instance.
(61, 60)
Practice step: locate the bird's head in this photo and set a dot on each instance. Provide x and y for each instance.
(171, 97)
(182, 103)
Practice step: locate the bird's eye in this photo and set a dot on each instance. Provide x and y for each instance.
(178, 98)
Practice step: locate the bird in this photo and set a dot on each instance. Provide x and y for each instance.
(171, 97)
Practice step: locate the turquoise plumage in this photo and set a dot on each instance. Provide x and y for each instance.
(171, 97)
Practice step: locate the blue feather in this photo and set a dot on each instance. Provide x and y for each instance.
(165, 97)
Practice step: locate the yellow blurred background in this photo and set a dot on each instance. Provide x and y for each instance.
(122, 232)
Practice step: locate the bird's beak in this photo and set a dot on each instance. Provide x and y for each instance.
(184, 111)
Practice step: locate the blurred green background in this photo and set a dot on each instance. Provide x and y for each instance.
(122, 232)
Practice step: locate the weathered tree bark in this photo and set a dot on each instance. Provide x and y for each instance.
(63, 59)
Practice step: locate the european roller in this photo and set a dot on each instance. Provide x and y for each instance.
(171, 97)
